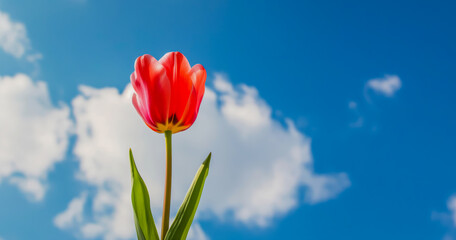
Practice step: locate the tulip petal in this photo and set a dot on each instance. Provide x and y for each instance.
(153, 87)
(177, 69)
(198, 75)
(168, 92)
(187, 117)
(138, 99)
(191, 110)
(140, 109)
(176, 65)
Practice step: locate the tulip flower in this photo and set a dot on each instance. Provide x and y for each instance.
(168, 94)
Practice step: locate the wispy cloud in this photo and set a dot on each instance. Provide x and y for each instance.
(452, 207)
(448, 218)
(359, 122)
(386, 86)
(73, 213)
(14, 39)
(258, 165)
(13, 36)
(34, 133)
(197, 233)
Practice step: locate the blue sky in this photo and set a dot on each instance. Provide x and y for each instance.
(369, 87)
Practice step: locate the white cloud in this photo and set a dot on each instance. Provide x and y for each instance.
(73, 213)
(452, 207)
(243, 106)
(13, 36)
(34, 133)
(257, 169)
(14, 39)
(386, 86)
(359, 122)
(34, 187)
(197, 233)
(448, 218)
(34, 57)
(352, 105)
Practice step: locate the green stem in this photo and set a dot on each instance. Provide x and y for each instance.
(167, 198)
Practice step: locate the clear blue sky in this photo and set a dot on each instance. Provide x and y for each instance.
(308, 60)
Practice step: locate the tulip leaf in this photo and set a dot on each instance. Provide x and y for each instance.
(181, 224)
(144, 221)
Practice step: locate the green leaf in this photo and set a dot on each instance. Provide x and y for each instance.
(181, 224)
(144, 221)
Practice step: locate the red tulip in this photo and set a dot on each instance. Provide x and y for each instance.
(168, 92)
